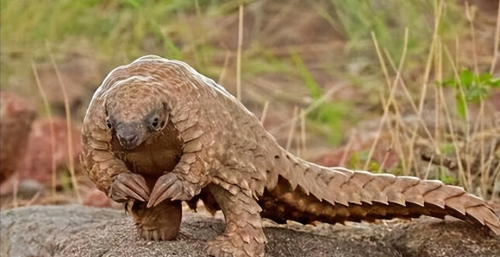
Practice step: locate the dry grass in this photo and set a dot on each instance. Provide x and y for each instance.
(470, 166)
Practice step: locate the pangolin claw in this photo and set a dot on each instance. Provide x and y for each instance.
(168, 186)
(127, 186)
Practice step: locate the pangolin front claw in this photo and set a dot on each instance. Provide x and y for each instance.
(167, 186)
(127, 186)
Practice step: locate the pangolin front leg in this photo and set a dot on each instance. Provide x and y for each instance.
(185, 181)
(243, 236)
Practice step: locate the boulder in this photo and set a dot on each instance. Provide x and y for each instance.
(75, 230)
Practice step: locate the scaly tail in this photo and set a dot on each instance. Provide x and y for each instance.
(306, 192)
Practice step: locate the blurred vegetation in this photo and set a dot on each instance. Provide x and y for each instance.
(284, 64)
(471, 88)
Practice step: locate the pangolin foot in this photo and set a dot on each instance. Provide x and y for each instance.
(234, 246)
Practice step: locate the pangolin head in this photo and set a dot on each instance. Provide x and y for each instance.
(135, 111)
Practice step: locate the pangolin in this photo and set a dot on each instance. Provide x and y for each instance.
(157, 132)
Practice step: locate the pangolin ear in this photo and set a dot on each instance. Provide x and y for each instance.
(167, 114)
(105, 108)
(106, 115)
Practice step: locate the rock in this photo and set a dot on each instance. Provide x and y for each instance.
(430, 239)
(96, 198)
(15, 125)
(37, 164)
(28, 188)
(74, 230)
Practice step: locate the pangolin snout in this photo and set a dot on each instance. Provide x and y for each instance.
(128, 141)
(128, 136)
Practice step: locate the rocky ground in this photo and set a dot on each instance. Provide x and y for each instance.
(74, 230)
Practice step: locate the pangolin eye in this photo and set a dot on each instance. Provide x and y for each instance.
(155, 122)
(108, 123)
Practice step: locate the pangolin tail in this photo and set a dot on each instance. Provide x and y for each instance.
(314, 193)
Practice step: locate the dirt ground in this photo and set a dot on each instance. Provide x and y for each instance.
(73, 230)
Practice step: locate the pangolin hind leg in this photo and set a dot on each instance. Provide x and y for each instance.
(243, 236)
(161, 222)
